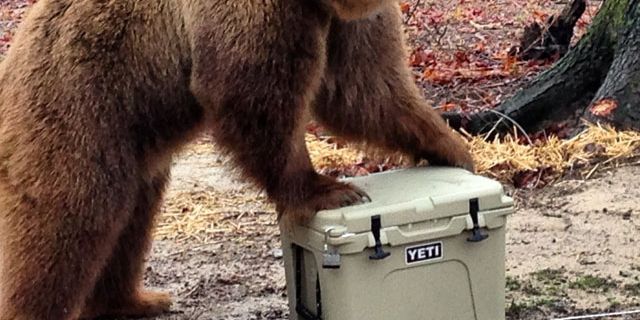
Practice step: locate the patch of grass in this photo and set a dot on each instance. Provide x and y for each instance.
(553, 281)
(592, 283)
(513, 284)
(632, 289)
(530, 289)
(518, 309)
(523, 307)
(555, 290)
(613, 303)
(549, 276)
(547, 302)
(540, 292)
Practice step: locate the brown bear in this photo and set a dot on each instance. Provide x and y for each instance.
(97, 95)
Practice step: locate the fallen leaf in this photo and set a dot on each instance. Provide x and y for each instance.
(604, 108)
(448, 107)
(405, 7)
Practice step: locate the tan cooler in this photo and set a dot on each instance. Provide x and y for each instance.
(429, 246)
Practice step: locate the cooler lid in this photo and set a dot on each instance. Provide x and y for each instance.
(414, 195)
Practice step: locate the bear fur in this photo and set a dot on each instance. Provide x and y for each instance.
(97, 95)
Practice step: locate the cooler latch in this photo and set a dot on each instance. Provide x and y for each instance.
(476, 233)
(330, 256)
(376, 225)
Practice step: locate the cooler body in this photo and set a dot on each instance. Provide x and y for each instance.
(430, 245)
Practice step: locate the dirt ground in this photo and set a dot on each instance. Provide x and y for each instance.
(223, 273)
(572, 248)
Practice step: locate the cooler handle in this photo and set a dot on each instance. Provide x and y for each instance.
(300, 309)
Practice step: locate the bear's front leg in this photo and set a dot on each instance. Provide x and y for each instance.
(256, 88)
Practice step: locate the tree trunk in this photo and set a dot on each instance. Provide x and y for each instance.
(604, 64)
(541, 42)
(622, 83)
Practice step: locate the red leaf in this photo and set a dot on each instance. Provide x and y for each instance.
(421, 57)
(447, 107)
(405, 7)
(438, 76)
(604, 108)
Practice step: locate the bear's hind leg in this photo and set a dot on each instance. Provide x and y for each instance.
(119, 290)
(54, 242)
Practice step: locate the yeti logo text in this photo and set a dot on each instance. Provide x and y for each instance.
(423, 252)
